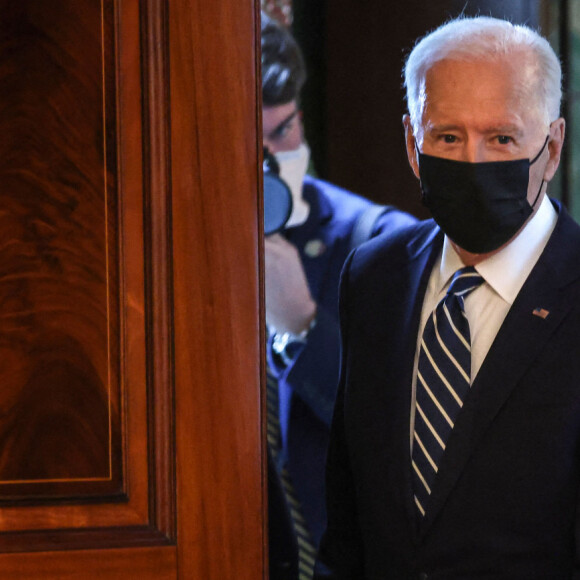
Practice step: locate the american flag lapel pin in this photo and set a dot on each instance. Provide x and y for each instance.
(541, 312)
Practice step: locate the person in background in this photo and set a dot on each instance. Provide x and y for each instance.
(455, 442)
(303, 264)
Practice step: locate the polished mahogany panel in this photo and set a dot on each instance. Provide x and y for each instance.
(59, 323)
(159, 159)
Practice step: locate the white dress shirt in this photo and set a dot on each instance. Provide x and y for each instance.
(504, 274)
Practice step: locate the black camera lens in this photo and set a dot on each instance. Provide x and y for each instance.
(277, 196)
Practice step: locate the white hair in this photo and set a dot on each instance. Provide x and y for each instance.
(485, 38)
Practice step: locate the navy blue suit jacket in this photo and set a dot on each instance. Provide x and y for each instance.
(311, 379)
(505, 502)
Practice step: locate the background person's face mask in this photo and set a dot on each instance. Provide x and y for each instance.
(480, 206)
(293, 166)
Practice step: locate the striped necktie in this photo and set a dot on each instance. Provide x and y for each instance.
(443, 381)
(306, 549)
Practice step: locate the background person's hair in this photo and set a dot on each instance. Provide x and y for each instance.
(283, 69)
(485, 38)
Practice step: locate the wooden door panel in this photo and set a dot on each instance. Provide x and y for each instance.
(60, 401)
(158, 563)
(130, 417)
(76, 451)
(216, 240)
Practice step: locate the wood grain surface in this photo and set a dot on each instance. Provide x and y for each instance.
(131, 327)
(59, 402)
(218, 335)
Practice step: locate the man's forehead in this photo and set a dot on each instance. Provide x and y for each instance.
(498, 91)
(510, 71)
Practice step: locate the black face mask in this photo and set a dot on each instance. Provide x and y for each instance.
(480, 206)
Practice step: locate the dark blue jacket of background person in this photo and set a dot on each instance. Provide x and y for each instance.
(308, 384)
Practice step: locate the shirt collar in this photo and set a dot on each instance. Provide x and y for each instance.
(507, 270)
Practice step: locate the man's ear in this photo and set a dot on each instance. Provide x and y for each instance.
(555, 144)
(410, 141)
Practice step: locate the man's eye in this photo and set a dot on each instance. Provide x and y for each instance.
(282, 131)
(504, 139)
(449, 138)
(278, 133)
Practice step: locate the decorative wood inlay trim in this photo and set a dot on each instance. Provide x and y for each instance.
(158, 262)
(144, 563)
(117, 537)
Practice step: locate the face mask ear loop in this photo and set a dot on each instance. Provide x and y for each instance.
(417, 158)
(417, 152)
(541, 151)
(538, 195)
(532, 162)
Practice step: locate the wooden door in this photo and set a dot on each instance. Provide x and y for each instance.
(130, 422)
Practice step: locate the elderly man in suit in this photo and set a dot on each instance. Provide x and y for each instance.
(455, 445)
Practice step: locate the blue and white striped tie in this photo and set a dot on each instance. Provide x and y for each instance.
(443, 381)
(306, 549)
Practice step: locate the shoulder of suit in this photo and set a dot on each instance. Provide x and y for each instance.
(399, 239)
(345, 207)
(562, 252)
(341, 200)
(375, 260)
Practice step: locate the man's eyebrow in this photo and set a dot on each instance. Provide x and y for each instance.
(506, 130)
(282, 125)
(433, 128)
(501, 129)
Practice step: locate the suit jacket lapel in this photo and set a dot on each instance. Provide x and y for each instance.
(520, 340)
(387, 378)
(422, 253)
